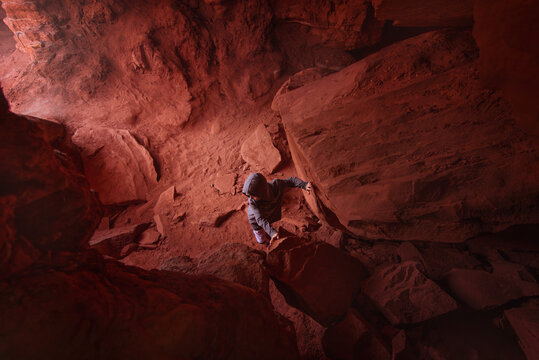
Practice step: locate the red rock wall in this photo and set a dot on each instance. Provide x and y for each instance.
(130, 61)
(507, 35)
(52, 207)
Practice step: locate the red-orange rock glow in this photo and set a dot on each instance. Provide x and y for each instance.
(127, 130)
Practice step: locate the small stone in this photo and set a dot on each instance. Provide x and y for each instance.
(224, 184)
(149, 237)
(128, 249)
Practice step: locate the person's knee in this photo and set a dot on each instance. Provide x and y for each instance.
(261, 236)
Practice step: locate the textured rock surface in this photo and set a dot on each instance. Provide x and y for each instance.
(462, 335)
(405, 144)
(482, 290)
(140, 63)
(315, 277)
(259, 152)
(233, 262)
(525, 322)
(380, 254)
(117, 166)
(104, 310)
(317, 33)
(440, 258)
(308, 332)
(506, 32)
(404, 295)
(354, 338)
(43, 193)
(425, 13)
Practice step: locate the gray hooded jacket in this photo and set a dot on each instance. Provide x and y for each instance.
(267, 210)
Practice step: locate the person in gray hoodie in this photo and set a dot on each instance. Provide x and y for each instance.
(265, 200)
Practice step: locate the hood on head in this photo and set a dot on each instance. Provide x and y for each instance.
(256, 185)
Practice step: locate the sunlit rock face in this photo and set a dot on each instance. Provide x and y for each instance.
(131, 62)
(406, 144)
(119, 168)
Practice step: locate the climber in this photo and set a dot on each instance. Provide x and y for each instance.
(265, 201)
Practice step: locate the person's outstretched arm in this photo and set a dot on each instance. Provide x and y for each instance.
(297, 182)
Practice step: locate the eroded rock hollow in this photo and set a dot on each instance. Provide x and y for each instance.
(127, 131)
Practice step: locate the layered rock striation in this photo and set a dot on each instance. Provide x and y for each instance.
(406, 144)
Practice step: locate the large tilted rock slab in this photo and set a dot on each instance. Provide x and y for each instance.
(417, 13)
(406, 144)
(82, 306)
(405, 296)
(119, 168)
(232, 261)
(315, 277)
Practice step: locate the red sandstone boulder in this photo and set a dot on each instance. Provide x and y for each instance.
(525, 322)
(482, 290)
(406, 144)
(405, 296)
(308, 332)
(315, 277)
(416, 13)
(82, 306)
(354, 338)
(259, 152)
(49, 205)
(233, 262)
(117, 166)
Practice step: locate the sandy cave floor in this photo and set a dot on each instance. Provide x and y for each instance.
(191, 161)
